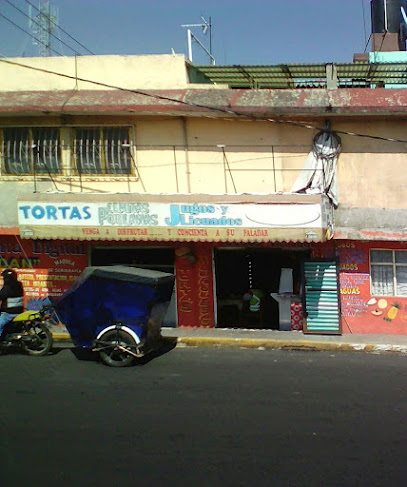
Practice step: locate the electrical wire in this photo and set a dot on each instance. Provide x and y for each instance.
(28, 33)
(364, 22)
(61, 29)
(364, 27)
(367, 43)
(226, 162)
(35, 22)
(206, 107)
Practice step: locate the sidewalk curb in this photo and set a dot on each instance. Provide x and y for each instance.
(259, 343)
(61, 337)
(289, 345)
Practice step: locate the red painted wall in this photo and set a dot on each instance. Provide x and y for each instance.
(46, 268)
(194, 281)
(363, 312)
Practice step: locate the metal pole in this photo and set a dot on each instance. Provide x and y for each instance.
(274, 169)
(35, 151)
(224, 171)
(175, 167)
(189, 34)
(210, 40)
(204, 48)
(187, 168)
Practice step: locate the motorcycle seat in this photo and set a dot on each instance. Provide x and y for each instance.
(26, 315)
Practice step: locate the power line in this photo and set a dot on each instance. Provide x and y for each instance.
(367, 43)
(32, 20)
(28, 33)
(367, 40)
(206, 107)
(61, 29)
(364, 20)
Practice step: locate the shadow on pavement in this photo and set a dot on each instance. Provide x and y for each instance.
(88, 355)
(59, 349)
(167, 344)
(85, 354)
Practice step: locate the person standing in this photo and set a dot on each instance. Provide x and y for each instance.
(11, 297)
(254, 296)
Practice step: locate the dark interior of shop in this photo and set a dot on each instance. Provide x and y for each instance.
(156, 258)
(238, 270)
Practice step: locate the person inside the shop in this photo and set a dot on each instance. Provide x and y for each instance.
(254, 297)
(11, 297)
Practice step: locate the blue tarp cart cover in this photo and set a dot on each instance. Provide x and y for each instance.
(103, 295)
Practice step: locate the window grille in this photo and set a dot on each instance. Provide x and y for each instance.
(31, 150)
(388, 270)
(102, 150)
(46, 148)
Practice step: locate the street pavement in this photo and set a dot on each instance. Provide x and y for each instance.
(276, 339)
(204, 417)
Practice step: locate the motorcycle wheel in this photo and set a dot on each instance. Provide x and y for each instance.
(41, 341)
(111, 355)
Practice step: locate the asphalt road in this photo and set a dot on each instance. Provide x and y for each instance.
(205, 417)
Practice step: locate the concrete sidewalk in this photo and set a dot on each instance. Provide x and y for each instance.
(274, 339)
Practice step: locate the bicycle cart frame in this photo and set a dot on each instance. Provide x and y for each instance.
(116, 311)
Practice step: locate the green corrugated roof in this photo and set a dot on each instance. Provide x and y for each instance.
(360, 73)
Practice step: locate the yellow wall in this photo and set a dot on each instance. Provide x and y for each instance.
(146, 72)
(372, 173)
(206, 155)
(177, 155)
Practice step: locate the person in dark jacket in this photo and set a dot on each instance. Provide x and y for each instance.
(11, 297)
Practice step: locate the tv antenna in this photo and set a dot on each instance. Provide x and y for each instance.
(404, 31)
(206, 26)
(403, 13)
(43, 25)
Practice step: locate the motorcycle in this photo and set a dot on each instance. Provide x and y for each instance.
(29, 332)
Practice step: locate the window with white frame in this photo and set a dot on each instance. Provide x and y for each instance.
(30, 150)
(388, 271)
(103, 150)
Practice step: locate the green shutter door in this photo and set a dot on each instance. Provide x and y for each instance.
(322, 312)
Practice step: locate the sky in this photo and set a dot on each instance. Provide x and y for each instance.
(246, 32)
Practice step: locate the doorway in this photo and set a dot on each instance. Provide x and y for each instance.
(237, 271)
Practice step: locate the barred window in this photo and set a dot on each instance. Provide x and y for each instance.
(388, 270)
(102, 150)
(31, 150)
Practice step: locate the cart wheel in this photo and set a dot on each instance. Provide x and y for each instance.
(112, 355)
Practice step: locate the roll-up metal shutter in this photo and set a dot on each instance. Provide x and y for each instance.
(322, 307)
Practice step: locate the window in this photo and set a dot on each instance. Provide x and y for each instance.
(388, 270)
(102, 150)
(31, 150)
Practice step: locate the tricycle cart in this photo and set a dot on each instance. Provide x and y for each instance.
(116, 311)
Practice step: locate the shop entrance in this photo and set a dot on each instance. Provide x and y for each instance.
(238, 271)
(155, 258)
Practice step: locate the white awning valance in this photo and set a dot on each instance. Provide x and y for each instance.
(214, 218)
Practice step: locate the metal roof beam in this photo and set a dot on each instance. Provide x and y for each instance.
(248, 76)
